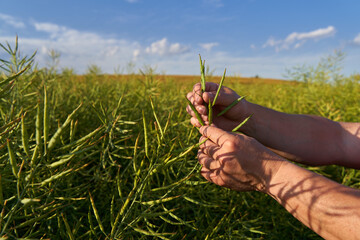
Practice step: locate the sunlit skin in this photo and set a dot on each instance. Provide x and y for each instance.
(258, 160)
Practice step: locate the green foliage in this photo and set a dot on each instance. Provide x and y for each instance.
(328, 70)
(118, 164)
(93, 70)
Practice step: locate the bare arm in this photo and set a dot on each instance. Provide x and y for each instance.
(311, 140)
(328, 208)
(241, 163)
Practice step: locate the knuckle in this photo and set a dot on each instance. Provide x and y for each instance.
(194, 122)
(196, 86)
(230, 145)
(202, 138)
(222, 183)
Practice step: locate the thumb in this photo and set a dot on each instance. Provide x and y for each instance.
(215, 134)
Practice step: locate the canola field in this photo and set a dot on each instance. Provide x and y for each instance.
(114, 156)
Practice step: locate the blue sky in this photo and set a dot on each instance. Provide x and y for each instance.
(248, 37)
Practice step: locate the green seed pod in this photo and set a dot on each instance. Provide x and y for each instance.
(12, 159)
(241, 124)
(202, 71)
(219, 87)
(197, 114)
(38, 127)
(60, 130)
(230, 106)
(24, 137)
(210, 112)
(46, 120)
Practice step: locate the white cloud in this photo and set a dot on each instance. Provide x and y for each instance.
(357, 39)
(271, 42)
(48, 27)
(11, 21)
(208, 46)
(53, 29)
(136, 54)
(78, 49)
(132, 1)
(296, 40)
(316, 34)
(164, 48)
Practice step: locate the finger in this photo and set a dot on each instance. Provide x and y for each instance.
(203, 117)
(210, 90)
(226, 95)
(206, 173)
(206, 142)
(208, 95)
(197, 93)
(190, 111)
(211, 87)
(200, 108)
(216, 135)
(207, 161)
(212, 150)
(213, 176)
(202, 139)
(189, 96)
(193, 115)
(195, 122)
(200, 97)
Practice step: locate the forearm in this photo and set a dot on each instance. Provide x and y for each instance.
(302, 138)
(351, 139)
(328, 208)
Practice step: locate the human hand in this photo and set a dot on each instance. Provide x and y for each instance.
(226, 96)
(236, 161)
